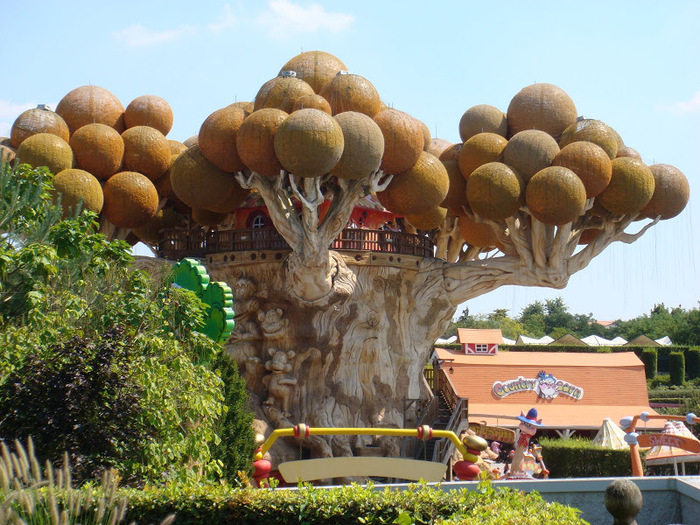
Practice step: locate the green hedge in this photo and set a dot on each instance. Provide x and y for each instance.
(650, 358)
(579, 458)
(692, 363)
(344, 505)
(677, 368)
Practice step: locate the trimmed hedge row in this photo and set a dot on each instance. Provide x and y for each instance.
(344, 505)
(579, 458)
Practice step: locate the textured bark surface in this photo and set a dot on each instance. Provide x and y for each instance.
(346, 362)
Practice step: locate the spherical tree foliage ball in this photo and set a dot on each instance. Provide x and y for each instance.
(312, 101)
(46, 149)
(147, 151)
(349, 92)
(7, 154)
(162, 220)
(626, 151)
(482, 119)
(99, 149)
(452, 152)
(247, 107)
(403, 140)
(234, 200)
(419, 189)
(631, 187)
(37, 120)
(309, 143)
(495, 191)
(255, 141)
(476, 233)
(363, 146)
(281, 93)
(590, 162)
(671, 192)
(149, 110)
(589, 235)
(207, 217)
(176, 147)
(131, 199)
(428, 220)
(438, 146)
(316, 68)
(593, 131)
(217, 138)
(530, 151)
(555, 196)
(199, 183)
(456, 197)
(193, 140)
(545, 107)
(480, 149)
(91, 104)
(74, 186)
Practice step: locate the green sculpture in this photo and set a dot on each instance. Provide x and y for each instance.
(218, 318)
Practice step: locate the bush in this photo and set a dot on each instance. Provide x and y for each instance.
(82, 399)
(235, 427)
(692, 363)
(650, 357)
(345, 505)
(579, 458)
(677, 367)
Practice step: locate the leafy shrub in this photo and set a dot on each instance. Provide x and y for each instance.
(579, 458)
(235, 427)
(80, 398)
(345, 505)
(692, 363)
(649, 357)
(677, 367)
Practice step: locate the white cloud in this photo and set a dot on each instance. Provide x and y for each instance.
(138, 36)
(9, 112)
(285, 17)
(683, 107)
(226, 20)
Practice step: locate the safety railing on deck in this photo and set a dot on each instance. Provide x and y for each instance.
(177, 243)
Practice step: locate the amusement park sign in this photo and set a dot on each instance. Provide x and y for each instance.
(545, 385)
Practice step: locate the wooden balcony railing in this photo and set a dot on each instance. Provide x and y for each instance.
(178, 243)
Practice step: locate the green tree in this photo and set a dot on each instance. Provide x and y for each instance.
(65, 291)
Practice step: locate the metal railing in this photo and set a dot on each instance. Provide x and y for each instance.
(177, 243)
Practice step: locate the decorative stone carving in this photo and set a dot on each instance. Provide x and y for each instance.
(279, 382)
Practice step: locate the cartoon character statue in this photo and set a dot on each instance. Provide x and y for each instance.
(278, 382)
(528, 428)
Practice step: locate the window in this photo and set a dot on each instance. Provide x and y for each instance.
(258, 221)
(481, 348)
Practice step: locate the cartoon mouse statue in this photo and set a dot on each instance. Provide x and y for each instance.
(528, 428)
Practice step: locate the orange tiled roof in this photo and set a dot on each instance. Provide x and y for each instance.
(479, 336)
(614, 386)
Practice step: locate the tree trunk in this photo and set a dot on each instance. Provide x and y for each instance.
(349, 361)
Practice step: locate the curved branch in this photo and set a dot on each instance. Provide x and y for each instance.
(279, 205)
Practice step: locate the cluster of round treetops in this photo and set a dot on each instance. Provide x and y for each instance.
(314, 119)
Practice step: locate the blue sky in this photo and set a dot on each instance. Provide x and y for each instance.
(633, 65)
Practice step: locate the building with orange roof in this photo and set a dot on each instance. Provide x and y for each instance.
(479, 341)
(571, 391)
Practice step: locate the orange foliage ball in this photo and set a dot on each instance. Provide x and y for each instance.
(671, 192)
(149, 110)
(482, 119)
(316, 68)
(590, 162)
(281, 93)
(255, 141)
(403, 140)
(217, 138)
(37, 120)
(480, 149)
(91, 104)
(349, 92)
(544, 107)
(147, 151)
(99, 149)
(130, 199)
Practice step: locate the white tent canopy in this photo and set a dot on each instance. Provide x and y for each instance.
(610, 435)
